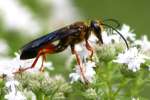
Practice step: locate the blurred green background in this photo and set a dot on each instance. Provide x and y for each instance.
(135, 13)
(131, 12)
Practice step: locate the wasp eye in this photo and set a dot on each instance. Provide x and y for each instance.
(95, 26)
(96, 30)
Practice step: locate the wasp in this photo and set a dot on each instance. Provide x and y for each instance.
(67, 36)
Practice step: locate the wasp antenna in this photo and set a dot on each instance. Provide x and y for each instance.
(118, 33)
(113, 20)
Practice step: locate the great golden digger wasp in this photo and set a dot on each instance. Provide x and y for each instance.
(67, 36)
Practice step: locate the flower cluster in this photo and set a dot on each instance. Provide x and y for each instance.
(100, 71)
(13, 93)
(133, 58)
(9, 66)
(85, 71)
(115, 38)
(88, 72)
(143, 43)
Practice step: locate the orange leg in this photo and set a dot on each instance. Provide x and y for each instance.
(48, 48)
(42, 66)
(32, 66)
(89, 48)
(79, 63)
(41, 53)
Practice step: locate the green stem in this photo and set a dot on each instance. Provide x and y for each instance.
(122, 84)
(109, 85)
(46, 97)
(52, 95)
(110, 91)
(39, 96)
(138, 82)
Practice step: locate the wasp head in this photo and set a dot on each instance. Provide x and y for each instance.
(97, 28)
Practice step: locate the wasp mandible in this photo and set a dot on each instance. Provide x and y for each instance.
(67, 36)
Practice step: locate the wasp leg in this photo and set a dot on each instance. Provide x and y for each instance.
(32, 66)
(49, 49)
(79, 63)
(88, 46)
(43, 60)
(42, 52)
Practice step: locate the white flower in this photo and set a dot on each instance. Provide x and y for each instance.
(93, 39)
(17, 16)
(106, 38)
(88, 72)
(133, 58)
(15, 96)
(75, 76)
(13, 93)
(110, 38)
(82, 51)
(85, 72)
(11, 65)
(143, 43)
(8, 66)
(115, 38)
(127, 33)
(11, 84)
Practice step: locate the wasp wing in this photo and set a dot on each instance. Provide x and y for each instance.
(31, 49)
